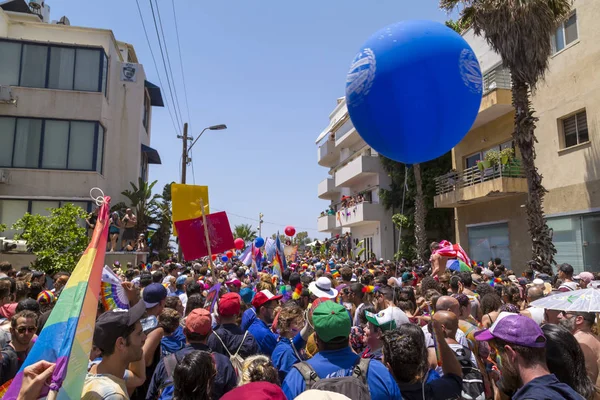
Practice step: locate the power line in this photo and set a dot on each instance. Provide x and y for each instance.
(155, 65)
(181, 65)
(162, 32)
(162, 54)
(264, 222)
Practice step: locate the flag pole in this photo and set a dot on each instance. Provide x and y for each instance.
(207, 238)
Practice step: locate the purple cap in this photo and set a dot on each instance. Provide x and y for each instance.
(516, 329)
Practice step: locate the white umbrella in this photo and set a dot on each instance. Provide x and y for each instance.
(584, 300)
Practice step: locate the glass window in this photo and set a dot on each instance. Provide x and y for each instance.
(56, 141)
(100, 149)
(570, 27)
(87, 70)
(27, 143)
(575, 129)
(9, 63)
(558, 40)
(62, 63)
(471, 161)
(591, 242)
(7, 135)
(104, 73)
(10, 212)
(81, 145)
(33, 65)
(567, 239)
(489, 242)
(41, 206)
(146, 110)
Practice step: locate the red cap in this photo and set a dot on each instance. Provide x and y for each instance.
(256, 391)
(199, 321)
(229, 304)
(264, 296)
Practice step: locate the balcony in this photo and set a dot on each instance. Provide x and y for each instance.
(327, 155)
(327, 190)
(360, 214)
(358, 169)
(326, 223)
(346, 135)
(497, 96)
(457, 189)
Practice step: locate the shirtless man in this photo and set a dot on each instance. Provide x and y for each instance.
(129, 221)
(438, 262)
(580, 325)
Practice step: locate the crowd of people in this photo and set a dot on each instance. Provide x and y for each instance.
(327, 328)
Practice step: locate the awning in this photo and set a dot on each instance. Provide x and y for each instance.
(155, 95)
(324, 133)
(152, 154)
(15, 6)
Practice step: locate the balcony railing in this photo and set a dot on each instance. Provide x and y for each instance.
(497, 78)
(345, 128)
(472, 176)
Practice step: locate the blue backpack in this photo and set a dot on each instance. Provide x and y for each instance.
(166, 389)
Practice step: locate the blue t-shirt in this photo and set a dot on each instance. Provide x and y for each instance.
(546, 387)
(338, 363)
(285, 356)
(248, 318)
(266, 339)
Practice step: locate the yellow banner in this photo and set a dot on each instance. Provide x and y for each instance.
(186, 202)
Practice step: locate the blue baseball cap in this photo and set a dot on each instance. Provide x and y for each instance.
(154, 294)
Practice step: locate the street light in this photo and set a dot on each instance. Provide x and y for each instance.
(219, 127)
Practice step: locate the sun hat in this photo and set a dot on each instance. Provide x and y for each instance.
(153, 294)
(229, 304)
(263, 297)
(199, 321)
(113, 324)
(513, 279)
(322, 288)
(388, 319)
(331, 320)
(515, 329)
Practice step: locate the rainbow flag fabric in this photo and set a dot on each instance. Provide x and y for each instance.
(67, 336)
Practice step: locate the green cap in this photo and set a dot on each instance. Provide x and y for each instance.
(331, 320)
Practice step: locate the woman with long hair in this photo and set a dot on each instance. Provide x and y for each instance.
(286, 353)
(565, 360)
(193, 376)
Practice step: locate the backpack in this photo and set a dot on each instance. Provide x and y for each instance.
(11, 360)
(237, 361)
(166, 389)
(354, 386)
(472, 386)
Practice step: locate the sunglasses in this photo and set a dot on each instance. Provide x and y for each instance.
(23, 329)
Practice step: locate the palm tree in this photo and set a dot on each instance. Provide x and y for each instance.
(519, 31)
(244, 231)
(420, 215)
(144, 203)
(160, 241)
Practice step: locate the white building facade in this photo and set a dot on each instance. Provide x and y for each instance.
(352, 188)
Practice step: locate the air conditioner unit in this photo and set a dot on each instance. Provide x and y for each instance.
(13, 246)
(3, 176)
(6, 96)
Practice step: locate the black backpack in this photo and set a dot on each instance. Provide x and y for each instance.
(472, 387)
(354, 386)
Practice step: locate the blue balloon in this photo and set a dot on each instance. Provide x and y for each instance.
(224, 258)
(414, 90)
(259, 242)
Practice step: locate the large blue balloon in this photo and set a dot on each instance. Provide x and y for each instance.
(414, 90)
(259, 242)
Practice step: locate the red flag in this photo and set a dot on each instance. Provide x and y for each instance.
(192, 239)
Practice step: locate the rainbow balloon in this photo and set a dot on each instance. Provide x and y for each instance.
(67, 336)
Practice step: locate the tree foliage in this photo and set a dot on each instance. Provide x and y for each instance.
(439, 223)
(244, 231)
(301, 239)
(58, 240)
(145, 204)
(160, 240)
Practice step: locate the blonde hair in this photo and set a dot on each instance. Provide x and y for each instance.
(287, 316)
(259, 369)
(264, 285)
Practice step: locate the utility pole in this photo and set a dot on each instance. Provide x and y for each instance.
(184, 161)
(260, 222)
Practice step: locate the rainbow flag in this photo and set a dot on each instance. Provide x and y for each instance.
(276, 267)
(279, 256)
(67, 336)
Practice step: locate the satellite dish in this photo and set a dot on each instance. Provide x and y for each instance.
(63, 21)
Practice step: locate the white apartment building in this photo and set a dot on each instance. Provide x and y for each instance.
(75, 112)
(355, 172)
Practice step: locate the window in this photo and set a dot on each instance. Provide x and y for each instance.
(575, 129)
(471, 161)
(565, 34)
(51, 144)
(53, 67)
(146, 110)
(13, 210)
(488, 242)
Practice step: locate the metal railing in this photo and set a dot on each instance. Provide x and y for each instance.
(497, 78)
(472, 176)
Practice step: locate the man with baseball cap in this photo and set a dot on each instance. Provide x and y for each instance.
(228, 338)
(388, 319)
(521, 346)
(336, 359)
(120, 337)
(198, 328)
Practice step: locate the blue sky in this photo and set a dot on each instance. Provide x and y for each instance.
(269, 69)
